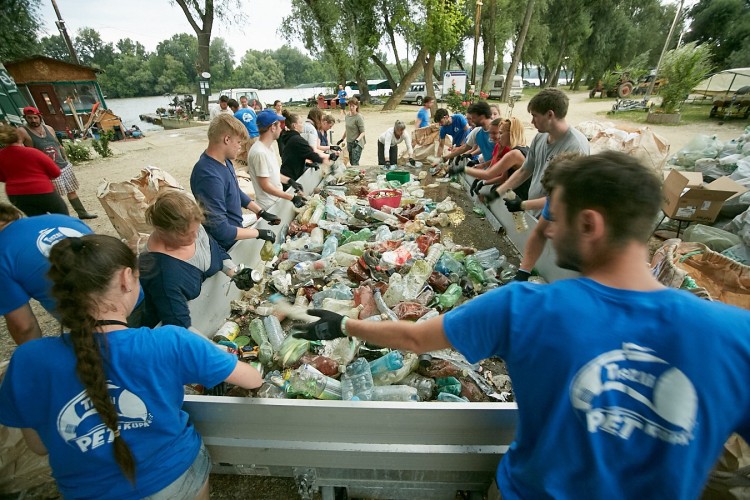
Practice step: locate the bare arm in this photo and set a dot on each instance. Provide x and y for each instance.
(33, 441)
(22, 324)
(254, 207)
(536, 204)
(245, 376)
(25, 136)
(268, 187)
(415, 337)
(62, 148)
(511, 159)
(534, 245)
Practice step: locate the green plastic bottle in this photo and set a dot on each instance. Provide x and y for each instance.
(266, 253)
(475, 270)
(450, 297)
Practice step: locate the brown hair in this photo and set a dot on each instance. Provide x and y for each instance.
(82, 269)
(8, 134)
(291, 118)
(173, 211)
(328, 118)
(553, 100)
(9, 213)
(316, 115)
(223, 125)
(354, 101)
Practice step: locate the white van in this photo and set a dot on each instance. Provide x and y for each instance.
(252, 95)
(497, 82)
(418, 91)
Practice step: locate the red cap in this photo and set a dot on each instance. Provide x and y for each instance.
(30, 110)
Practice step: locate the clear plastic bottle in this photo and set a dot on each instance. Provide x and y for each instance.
(433, 255)
(302, 256)
(271, 391)
(415, 280)
(258, 331)
(383, 308)
(318, 213)
(330, 245)
(424, 385)
(297, 243)
(308, 381)
(395, 376)
(394, 360)
(447, 397)
(382, 233)
(357, 381)
(338, 291)
(334, 227)
(395, 292)
(316, 236)
(394, 393)
(489, 258)
(274, 331)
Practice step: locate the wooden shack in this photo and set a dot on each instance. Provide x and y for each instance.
(64, 93)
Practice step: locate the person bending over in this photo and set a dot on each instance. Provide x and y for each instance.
(389, 141)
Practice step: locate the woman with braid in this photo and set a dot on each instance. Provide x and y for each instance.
(104, 400)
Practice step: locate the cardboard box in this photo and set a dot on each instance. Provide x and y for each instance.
(684, 197)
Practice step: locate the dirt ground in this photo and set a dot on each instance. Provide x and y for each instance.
(176, 151)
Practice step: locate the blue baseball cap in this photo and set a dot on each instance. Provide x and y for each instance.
(267, 117)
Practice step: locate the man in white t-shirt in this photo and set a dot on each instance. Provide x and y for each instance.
(264, 168)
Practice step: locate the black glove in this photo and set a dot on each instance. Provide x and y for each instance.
(266, 234)
(455, 169)
(522, 275)
(465, 156)
(340, 141)
(314, 166)
(476, 186)
(335, 148)
(514, 205)
(298, 201)
(272, 219)
(412, 162)
(387, 164)
(333, 157)
(327, 328)
(243, 279)
(472, 163)
(356, 142)
(491, 196)
(296, 186)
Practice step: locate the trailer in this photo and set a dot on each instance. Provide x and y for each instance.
(367, 449)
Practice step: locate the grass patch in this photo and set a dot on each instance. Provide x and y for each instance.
(690, 113)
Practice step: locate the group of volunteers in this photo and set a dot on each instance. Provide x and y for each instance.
(624, 387)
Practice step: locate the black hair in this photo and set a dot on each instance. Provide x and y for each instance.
(440, 114)
(480, 108)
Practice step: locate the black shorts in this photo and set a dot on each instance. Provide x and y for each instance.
(343, 106)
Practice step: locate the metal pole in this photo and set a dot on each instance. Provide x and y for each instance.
(477, 22)
(664, 50)
(64, 32)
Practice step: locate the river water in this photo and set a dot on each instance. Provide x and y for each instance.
(129, 109)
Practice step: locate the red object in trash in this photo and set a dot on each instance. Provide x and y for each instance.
(384, 198)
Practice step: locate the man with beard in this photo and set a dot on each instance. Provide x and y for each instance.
(622, 384)
(42, 137)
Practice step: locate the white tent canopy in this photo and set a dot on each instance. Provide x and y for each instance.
(724, 82)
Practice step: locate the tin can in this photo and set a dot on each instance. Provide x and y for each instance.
(227, 332)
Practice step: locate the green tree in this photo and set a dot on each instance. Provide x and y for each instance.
(173, 79)
(19, 28)
(126, 46)
(684, 68)
(127, 76)
(91, 49)
(222, 63)
(725, 24)
(54, 46)
(183, 48)
(259, 70)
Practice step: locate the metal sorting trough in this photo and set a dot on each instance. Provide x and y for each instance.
(373, 449)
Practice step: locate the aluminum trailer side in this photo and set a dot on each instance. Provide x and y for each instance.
(373, 449)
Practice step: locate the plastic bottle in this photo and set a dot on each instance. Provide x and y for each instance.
(317, 214)
(432, 314)
(415, 280)
(338, 291)
(382, 233)
(316, 236)
(389, 377)
(334, 227)
(361, 235)
(274, 331)
(271, 391)
(265, 353)
(447, 397)
(308, 381)
(489, 258)
(342, 350)
(448, 265)
(266, 252)
(383, 308)
(354, 248)
(390, 362)
(357, 381)
(394, 393)
(450, 297)
(330, 245)
(258, 331)
(282, 281)
(474, 269)
(364, 213)
(395, 292)
(433, 255)
(424, 385)
(508, 273)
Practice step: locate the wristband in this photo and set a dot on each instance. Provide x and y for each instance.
(343, 325)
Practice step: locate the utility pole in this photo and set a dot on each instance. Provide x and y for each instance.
(477, 22)
(664, 50)
(64, 33)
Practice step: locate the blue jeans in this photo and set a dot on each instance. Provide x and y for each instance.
(190, 482)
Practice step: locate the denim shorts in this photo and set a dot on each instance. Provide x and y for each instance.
(190, 482)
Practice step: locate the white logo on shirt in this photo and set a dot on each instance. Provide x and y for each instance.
(79, 423)
(628, 389)
(50, 237)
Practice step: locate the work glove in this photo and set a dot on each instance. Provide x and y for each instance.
(243, 279)
(333, 157)
(328, 327)
(272, 219)
(455, 169)
(491, 196)
(296, 186)
(356, 143)
(522, 275)
(412, 162)
(472, 163)
(313, 166)
(298, 201)
(335, 148)
(267, 235)
(339, 142)
(476, 186)
(514, 205)
(465, 156)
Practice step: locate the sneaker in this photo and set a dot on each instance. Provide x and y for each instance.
(392, 167)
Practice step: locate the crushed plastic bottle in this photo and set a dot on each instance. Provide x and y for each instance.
(382, 233)
(274, 331)
(474, 269)
(333, 227)
(308, 381)
(394, 360)
(356, 382)
(389, 377)
(330, 245)
(447, 397)
(383, 308)
(425, 386)
(450, 297)
(415, 280)
(394, 393)
(338, 291)
(271, 391)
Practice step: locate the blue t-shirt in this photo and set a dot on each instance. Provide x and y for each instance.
(342, 96)
(146, 371)
(486, 146)
(619, 392)
(423, 115)
(215, 187)
(25, 245)
(545, 211)
(456, 129)
(248, 118)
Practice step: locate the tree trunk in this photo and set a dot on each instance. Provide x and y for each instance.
(489, 43)
(555, 73)
(428, 80)
(458, 61)
(331, 46)
(518, 50)
(380, 64)
(203, 33)
(364, 90)
(392, 38)
(409, 77)
(444, 59)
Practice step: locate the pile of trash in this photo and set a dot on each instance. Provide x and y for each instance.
(387, 264)
(715, 159)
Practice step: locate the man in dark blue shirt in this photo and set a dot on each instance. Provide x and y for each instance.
(456, 126)
(214, 184)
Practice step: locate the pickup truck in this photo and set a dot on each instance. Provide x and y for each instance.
(369, 449)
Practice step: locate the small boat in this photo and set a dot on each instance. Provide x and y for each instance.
(170, 123)
(151, 118)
